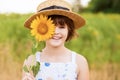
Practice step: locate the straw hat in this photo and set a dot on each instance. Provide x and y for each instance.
(56, 7)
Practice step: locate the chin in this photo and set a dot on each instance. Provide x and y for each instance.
(55, 43)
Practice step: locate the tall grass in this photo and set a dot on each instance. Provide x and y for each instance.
(13, 33)
(99, 39)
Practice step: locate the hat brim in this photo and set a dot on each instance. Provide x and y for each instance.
(77, 19)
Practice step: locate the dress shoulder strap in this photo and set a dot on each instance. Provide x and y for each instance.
(73, 57)
(37, 56)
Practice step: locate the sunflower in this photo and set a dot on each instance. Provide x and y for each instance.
(42, 28)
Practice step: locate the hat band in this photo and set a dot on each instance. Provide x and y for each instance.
(54, 7)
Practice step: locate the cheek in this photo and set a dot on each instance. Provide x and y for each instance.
(66, 33)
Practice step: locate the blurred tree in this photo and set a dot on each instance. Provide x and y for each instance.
(77, 7)
(105, 5)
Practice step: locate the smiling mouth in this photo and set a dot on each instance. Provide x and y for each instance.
(56, 37)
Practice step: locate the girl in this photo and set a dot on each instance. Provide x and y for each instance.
(56, 61)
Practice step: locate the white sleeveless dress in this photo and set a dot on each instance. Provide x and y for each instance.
(57, 71)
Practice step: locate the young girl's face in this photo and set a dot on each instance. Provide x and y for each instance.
(60, 36)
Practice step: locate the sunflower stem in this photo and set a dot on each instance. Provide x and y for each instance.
(34, 47)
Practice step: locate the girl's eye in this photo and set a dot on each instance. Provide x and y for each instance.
(61, 27)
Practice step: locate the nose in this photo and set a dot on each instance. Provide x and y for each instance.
(56, 30)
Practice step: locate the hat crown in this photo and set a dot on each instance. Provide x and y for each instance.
(49, 3)
(56, 7)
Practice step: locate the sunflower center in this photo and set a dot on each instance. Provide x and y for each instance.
(42, 28)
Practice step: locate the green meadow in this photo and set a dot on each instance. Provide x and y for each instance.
(98, 41)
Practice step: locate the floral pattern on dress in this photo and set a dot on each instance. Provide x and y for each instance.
(57, 71)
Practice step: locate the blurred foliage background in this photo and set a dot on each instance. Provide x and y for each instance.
(98, 41)
(95, 6)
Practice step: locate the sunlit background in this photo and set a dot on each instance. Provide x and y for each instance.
(98, 41)
(26, 6)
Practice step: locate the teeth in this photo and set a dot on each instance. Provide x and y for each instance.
(56, 37)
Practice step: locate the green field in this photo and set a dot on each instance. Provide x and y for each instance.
(98, 41)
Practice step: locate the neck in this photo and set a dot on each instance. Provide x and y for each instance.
(54, 51)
